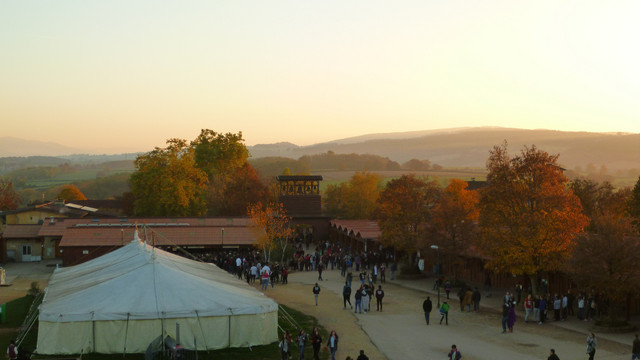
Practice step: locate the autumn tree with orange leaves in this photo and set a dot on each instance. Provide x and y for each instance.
(529, 218)
(454, 220)
(272, 227)
(9, 199)
(70, 192)
(606, 259)
(355, 199)
(243, 188)
(403, 209)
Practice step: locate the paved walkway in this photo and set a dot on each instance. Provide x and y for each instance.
(400, 331)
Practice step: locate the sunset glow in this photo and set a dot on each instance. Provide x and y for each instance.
(126, 75)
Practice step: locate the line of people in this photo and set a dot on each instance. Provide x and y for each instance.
(363, 296)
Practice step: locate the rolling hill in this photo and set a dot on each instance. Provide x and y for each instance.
(469, 147)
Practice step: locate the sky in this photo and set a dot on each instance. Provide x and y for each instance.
(127, 75)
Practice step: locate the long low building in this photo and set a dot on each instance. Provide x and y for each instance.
(77, 240)
(356, 235)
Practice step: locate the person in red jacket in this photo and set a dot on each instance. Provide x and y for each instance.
(12, 351)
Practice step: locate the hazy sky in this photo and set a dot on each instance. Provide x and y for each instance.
(128, 75)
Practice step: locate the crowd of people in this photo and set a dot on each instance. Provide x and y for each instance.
(315, 339)
(372, 268)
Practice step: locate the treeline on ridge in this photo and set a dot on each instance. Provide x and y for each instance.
(330, 161)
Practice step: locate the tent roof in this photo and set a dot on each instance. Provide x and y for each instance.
(138, 281)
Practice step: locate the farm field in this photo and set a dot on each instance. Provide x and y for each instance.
(336, 177)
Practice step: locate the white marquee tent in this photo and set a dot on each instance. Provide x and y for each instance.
(122, 301)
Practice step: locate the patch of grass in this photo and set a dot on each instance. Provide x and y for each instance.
(16, 312)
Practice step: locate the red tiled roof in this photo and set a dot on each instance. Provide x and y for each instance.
(159, 235)
(21, 231)
(58, 227)
(366, 229)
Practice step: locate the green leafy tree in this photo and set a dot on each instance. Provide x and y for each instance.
(334, 200)
(167, 182)
(529, 218)
(219, 156)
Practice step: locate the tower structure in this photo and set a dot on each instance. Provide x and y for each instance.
(300, 196)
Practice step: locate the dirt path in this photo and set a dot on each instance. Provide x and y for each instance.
(329, 312)
(400, 331)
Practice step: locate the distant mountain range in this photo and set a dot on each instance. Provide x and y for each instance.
(10, 146)
(469, 147)
(461, 147)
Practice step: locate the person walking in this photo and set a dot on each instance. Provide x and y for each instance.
(316, 342)
(592, 343)
(505, 316)
(542, 310)
(427, 306)
(358, 297)
(512, 316)
(12, 350)
(346, 295)
(316, 292)
(320, 268)
(635, 350)
(552, 355)
(379, 296)
(365, 299)
(444, 311)
(302, 341)
(454, 354)
(528, 306)
(284, 345)
(362, 356)
(476, 299)
(447, 288)
(332, 344)
(265, 274)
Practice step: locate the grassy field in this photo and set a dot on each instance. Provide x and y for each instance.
(78, 176)
(443, 176)
(17, 311)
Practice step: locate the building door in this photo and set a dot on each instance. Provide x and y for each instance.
(26, 253)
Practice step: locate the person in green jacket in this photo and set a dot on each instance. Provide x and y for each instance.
(444, 311)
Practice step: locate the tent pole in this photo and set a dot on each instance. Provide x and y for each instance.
(126, 332)
(204, 337)
(93, 330)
